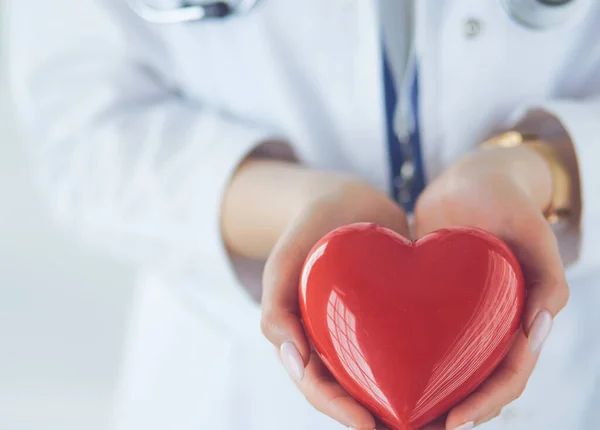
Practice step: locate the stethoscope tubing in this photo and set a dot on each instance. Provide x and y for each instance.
(532, 14)
(190, 12)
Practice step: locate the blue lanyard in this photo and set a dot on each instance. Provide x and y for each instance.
(406, 163)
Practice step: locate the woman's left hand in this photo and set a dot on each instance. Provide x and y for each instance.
(503, 191)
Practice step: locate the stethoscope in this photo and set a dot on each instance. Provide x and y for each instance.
(534, 14)
(188, 11)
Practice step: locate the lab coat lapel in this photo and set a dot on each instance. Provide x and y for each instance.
(359, 113)
(429, 16)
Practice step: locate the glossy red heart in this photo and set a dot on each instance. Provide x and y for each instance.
(409, 329)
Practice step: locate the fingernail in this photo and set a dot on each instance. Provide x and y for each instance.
(540, 329)
(292, 361)
(466, 426)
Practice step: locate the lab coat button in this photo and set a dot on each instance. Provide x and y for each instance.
(472, 28)
(407, 171)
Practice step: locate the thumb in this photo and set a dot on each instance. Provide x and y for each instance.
(280, 313)
(547, 288)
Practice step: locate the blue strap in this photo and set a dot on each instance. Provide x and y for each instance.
(403, 152)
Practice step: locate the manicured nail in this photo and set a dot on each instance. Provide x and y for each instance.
(466, 426)
(292, 361)
(540, 329)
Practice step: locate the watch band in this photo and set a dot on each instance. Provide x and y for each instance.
(561, 204)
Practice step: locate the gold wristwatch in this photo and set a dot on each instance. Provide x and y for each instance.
(561, 204)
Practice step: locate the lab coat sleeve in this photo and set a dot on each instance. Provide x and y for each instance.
(581, 121)
(123, 159)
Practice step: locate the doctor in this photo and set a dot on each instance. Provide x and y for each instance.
(196, 142)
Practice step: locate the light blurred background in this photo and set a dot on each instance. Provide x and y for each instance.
(63, 309)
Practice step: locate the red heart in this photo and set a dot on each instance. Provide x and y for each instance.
(411, 328)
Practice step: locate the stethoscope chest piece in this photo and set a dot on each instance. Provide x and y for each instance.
(542, 14)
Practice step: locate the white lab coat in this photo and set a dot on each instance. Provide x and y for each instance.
(137, 128)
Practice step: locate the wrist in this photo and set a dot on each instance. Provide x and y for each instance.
(555, 144)
(531, 171)
(324, 185)
(554, 155)
(520, 166)
(263, 199)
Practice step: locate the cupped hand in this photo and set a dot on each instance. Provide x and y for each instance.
(333, 202)
(503, 191)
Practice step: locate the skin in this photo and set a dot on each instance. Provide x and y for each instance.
(277, 211)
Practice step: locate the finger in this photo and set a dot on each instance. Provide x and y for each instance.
(506, 384)
(280, 319)
(536, 248)
(327, 396)
(490, 417)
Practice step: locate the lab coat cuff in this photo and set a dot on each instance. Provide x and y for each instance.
(581, 121)
(226, 297)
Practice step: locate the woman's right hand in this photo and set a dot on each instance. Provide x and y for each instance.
(333, 201)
